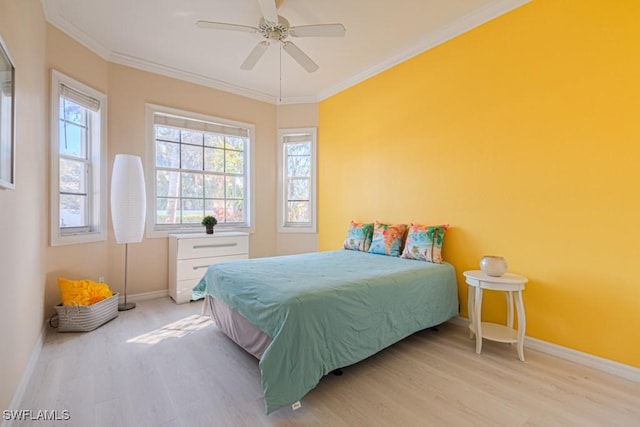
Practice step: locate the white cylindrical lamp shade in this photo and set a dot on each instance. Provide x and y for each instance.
(128, 199)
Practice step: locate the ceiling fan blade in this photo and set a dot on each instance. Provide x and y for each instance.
(224, 26)
(320, 30)
(300, 57)
(269, 12)
(255, 55)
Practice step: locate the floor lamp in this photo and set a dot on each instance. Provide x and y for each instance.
(128, 207)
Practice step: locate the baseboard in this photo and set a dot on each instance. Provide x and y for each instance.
(605, 365)
(144, 296)
(37, 349)
(609, 366)
(26, 376)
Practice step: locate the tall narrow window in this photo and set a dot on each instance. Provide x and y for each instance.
(75, 165)
(78, 169)
(297, 179)
(201, 167)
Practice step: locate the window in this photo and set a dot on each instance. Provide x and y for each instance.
(297, 180)
(78, 165)
(201, 166)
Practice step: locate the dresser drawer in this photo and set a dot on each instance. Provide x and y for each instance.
(195, 268)
(190, 254)
(212, 246)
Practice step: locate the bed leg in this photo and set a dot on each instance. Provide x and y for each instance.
(337, 372)
(297, 405)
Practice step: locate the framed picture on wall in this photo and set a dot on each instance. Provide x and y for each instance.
(7, 119)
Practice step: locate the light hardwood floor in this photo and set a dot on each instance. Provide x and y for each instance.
(163, 364)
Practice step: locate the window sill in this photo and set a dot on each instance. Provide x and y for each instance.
(77, 239)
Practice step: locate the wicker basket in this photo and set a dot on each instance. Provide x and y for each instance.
(84, 318)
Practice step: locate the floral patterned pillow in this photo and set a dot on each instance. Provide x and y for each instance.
(358, 236)
(387, 239)
(425, 243)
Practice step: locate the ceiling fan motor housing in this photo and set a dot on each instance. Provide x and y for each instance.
(273, 31)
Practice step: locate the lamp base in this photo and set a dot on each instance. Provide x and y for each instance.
(127, 306)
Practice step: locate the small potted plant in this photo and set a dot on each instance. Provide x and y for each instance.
(209, 222)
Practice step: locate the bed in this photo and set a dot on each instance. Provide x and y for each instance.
(304, 316)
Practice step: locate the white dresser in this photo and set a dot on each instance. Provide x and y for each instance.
(191, 254)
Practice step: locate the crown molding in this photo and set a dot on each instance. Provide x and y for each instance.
(141, 64)
(53, 16)
(433, 39)
(298, 100)
(447, 32)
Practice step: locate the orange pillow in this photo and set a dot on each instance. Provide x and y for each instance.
(82, 292)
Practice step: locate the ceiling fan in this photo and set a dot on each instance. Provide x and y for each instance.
(274, 28)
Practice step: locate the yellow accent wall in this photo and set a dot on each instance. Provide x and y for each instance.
(524, 135)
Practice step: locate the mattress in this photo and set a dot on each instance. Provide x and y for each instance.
(326, 310)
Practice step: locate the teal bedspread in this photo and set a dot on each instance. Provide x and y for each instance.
(327, 310)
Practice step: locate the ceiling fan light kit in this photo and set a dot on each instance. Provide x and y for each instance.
(275, 28)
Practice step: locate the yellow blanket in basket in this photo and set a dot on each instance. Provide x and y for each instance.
(82, 292)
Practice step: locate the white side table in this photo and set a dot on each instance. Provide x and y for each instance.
(512, 285)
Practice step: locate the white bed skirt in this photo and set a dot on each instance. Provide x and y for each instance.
(236, 327)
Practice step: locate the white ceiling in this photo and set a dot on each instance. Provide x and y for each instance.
(161, 36)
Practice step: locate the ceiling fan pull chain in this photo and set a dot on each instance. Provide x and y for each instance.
(280, 94)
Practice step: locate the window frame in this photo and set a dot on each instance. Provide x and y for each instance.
(163, 230)
(96, 161)
(283, 225)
